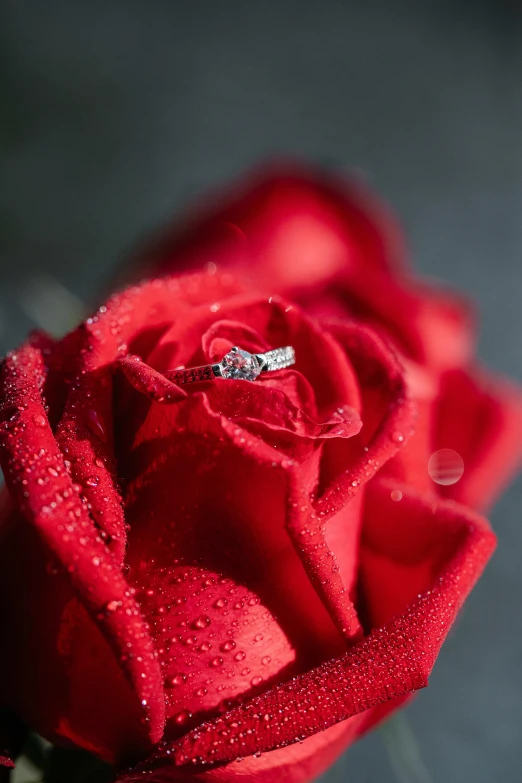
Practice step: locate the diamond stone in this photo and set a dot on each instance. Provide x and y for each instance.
(240, 365)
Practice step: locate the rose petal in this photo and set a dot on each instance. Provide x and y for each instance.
(387, 414)
(326, 531)
(41, 489)
(175, 485)
(431, 326)
(215, 638)
(392, 661)
(129, 322)
(240, 413)
(298, 763)
(479, 416)
(303, 223)
(318, 357)
(153, 384)
(325, 241)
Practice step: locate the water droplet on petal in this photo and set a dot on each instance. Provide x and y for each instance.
(182, 717)
(445, 467)
(175, 680)
(201, 622)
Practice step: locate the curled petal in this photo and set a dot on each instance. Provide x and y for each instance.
(258, 408)
(153, 384)
(387, 412)
(394, 660)
(41, 488)
(129, 322)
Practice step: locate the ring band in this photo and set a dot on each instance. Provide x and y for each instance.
(237, 365)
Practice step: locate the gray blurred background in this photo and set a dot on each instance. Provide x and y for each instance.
(115, 114)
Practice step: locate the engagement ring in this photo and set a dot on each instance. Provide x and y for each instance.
(238, 365)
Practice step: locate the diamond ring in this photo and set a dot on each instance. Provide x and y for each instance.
(237, 365)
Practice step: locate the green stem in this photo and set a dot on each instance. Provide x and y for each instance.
(403, 751)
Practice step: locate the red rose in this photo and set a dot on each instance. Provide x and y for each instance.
(195, 574)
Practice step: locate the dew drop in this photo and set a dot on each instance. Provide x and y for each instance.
(39, 420)
(445, 467)
(228, 646)
(396, 495)
(256, 681)
(175, 680)
(201, 622)
(240, 656)
(265, 660)
(182, 717)
(217, 661)
(220, 603)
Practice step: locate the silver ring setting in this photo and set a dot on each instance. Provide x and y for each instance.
(237, 365)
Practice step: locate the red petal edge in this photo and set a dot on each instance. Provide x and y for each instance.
(376, 367)
(392, 661)
(479, 415)
(128, 321)
(29, 455)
